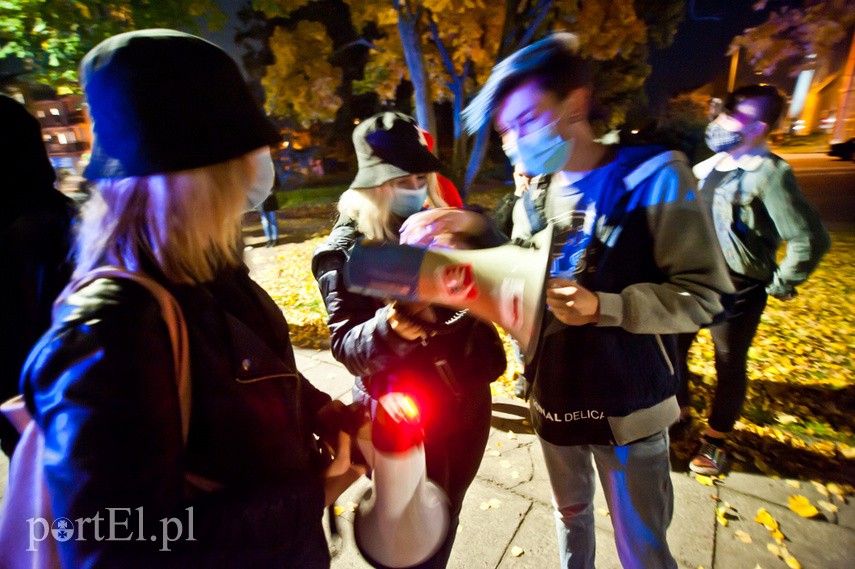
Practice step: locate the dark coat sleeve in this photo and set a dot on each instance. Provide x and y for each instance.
(360, 335)
(102, 387)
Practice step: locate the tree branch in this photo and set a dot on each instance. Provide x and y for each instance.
(537, 15)
(443, 51)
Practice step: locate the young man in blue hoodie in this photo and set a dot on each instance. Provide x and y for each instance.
(635, 269)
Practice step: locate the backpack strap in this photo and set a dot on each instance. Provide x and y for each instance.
(172, 316)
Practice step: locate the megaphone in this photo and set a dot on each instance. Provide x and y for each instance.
(505, 284)
(402, 518)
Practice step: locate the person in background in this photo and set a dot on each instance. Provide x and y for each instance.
(181, 153)
(531, 190)
(756, 204)
(267, 210)
(632, 270)
(35, 233)
(444, 360)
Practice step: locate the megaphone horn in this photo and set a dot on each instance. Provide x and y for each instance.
(402, 518)
(505, 284)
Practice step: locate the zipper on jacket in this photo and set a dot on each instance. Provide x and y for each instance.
(265, 377)
(664, 353)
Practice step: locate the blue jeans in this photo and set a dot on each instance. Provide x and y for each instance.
(637, 484)
(268, 223)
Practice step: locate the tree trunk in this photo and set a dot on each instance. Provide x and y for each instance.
(408, 28)
(517, 32)
(479, 151)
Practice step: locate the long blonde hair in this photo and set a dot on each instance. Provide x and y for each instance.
(187, 222)
(371, 209)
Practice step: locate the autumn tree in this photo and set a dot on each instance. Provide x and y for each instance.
(51, 37)
(447, 48)
(799, 37)
(462, 41)
(298, 86)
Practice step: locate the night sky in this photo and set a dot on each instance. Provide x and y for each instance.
(698, 53)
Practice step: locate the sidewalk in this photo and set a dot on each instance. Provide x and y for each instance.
(507, 520)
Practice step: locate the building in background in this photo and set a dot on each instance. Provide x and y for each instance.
(65, 129)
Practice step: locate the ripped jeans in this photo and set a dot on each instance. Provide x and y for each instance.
(637, 483)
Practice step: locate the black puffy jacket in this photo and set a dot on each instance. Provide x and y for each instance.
(448, 366)
(101, 386)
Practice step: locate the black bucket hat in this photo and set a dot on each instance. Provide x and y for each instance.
(163, 101)
(390, 145)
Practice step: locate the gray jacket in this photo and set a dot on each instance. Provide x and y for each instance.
(755, 206)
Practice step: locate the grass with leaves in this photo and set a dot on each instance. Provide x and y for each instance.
(798, 418)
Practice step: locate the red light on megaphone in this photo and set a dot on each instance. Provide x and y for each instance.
(397, 425)
(402, 518)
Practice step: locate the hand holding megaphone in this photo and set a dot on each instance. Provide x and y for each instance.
(402, 518)
(340, 425)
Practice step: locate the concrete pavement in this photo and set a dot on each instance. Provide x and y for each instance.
(507, 520)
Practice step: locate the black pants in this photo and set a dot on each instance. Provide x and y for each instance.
(731, 339)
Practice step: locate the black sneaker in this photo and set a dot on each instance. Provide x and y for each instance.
(710, 460)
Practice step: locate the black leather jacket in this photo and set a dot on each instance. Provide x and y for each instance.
(101, 386)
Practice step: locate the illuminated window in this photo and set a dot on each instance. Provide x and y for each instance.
(40, 113)
(54, 111)
(61, 138)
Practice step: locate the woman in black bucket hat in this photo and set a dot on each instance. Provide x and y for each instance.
(181, 152)
(444, 360)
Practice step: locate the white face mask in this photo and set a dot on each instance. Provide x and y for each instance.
(407, 202)
(262, 184)
(540, 152)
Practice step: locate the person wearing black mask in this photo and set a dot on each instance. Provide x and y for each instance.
(35, 233)
(756, 204)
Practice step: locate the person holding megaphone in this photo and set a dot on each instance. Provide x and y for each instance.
(443, 359)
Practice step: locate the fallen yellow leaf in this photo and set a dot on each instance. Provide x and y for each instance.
(792, 562)
(705, 480)
(774, 549)
(828, 506)
(820, 488)
(743, 536)
(794, 483)
(765, 518)
(802, 506)
(338, 510)
(786, 419)
(516, 551)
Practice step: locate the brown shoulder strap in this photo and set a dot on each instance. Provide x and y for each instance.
(172, 315)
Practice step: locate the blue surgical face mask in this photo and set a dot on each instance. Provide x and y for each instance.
(407, 202)
(540, 152)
